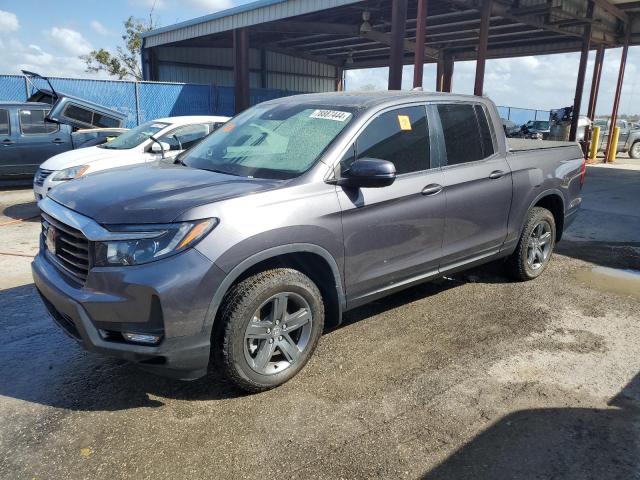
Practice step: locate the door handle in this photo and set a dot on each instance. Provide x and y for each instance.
(58, 141)
(496, 174)
(431, 189)
(8, 142)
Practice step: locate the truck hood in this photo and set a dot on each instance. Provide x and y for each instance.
(82, 156)
(152, 193)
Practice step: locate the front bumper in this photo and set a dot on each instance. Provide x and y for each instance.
(170, 297)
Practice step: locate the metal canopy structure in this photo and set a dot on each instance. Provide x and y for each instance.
(349, 34)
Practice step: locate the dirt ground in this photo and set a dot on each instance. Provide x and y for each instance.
(469, 377)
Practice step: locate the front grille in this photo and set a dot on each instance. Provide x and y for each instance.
(72, 249)
(41, 176)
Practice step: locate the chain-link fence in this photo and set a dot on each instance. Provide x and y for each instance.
(140, 101)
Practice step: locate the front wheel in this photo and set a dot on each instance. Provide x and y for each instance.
(634, 151)
(270, 324)
(535, 246)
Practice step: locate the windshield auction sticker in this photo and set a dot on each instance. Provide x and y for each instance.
(405, 122)
(336, 115)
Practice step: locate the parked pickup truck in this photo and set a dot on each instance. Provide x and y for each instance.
(295, 211)
(628, 140)
(28, 138)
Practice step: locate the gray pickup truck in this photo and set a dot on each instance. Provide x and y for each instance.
(628, 140)
(299, 209)
(47, 124)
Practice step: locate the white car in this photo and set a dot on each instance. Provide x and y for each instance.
(165, 137)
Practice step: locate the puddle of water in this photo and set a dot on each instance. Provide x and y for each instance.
(622, 282)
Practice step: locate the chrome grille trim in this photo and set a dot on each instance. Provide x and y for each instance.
(41, 176)
(72, 249)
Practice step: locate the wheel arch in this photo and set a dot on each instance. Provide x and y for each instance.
(553, 201)
(312, 260)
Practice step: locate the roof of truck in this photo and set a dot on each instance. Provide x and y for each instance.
(369, 99)
(15, 103)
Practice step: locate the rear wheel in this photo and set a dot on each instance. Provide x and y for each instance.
(270, 324)
(634, 151)
(535, 246)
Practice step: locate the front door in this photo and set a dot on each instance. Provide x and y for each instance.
(38, 140)
(477, 184)
(392, 235)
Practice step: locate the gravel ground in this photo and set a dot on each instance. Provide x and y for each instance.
(469, 377)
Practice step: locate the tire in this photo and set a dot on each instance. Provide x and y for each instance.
(634, 151)
(252, 327)
(531, 258)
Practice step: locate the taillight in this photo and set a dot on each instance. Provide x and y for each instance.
(583, 171)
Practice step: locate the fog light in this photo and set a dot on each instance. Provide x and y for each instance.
(141, 338)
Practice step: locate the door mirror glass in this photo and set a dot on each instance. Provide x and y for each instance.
(155, 147)
(369, 173)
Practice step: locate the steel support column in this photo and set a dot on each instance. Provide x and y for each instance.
(421, 27)
(241, 68)
(440, 72)
(582, 71)
(447, 77)
(616, 98)
(339, 79)
(595, 83)
(483, 42)
(398, 27)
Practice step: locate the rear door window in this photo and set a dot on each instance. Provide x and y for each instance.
(485, 131)
(88, 117)
(466, 140)
(4, 123)
(32, 122)
(400, 136)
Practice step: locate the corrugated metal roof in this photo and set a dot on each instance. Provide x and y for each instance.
(253, 13)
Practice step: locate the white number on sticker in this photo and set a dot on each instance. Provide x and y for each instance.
(336, 115)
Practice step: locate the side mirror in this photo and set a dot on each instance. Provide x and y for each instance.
(156, 148)
(369, 173)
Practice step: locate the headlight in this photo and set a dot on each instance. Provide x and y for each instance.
(151, 242)
(70, 173)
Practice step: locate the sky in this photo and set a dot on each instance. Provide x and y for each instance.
(50, 42)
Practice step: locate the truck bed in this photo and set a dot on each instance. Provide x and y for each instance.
(524, 144)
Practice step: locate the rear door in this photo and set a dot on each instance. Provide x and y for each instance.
(392, 234)
(37, 140)
(477, 183)
(8, 148)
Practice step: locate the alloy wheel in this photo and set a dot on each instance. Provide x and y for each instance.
(278, 333)
(539, 245)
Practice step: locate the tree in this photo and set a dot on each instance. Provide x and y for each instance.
(125, 63)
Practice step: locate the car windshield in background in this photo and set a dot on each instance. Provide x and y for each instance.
(135, 136)
(538, 125)
(277, 142)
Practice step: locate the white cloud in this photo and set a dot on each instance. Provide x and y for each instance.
(18, 56)
(8, 21)
(99, 28)
(69, 41)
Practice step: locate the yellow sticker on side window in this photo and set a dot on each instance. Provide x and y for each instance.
(405, 122)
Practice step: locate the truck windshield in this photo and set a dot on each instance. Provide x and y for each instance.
(135, 136)
(273, 141)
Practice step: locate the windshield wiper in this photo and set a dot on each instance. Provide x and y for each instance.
(221, 171)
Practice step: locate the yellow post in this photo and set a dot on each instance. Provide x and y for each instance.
(595, 141)
(613, 151)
